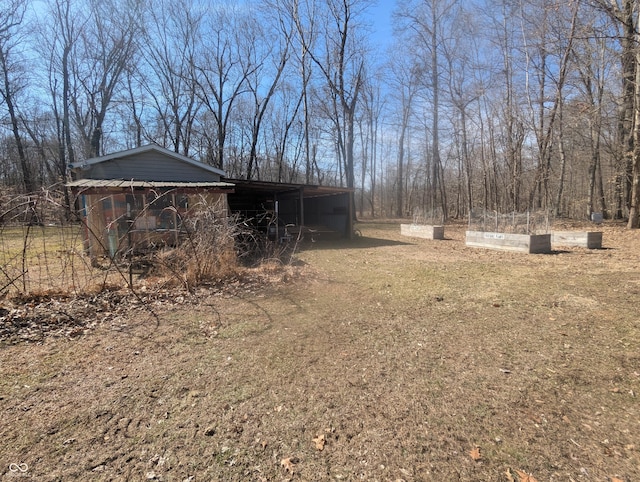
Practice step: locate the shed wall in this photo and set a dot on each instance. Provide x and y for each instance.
(149, 166)
(121, 220)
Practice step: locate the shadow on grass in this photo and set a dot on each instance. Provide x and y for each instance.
(361, 242)
(581, 250)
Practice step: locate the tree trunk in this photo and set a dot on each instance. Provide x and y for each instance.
(435, 126)
(557, 209)
(27, 176)
(400, 182)
(634, 208)
(626, 135)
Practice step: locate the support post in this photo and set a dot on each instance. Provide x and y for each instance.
(301, 203)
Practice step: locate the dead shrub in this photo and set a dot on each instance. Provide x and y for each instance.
(211, 247)
(215, 247)
(206, 253)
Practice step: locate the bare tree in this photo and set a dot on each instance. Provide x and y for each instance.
(222, 74)
(285, 116)
(548, 58)
(67, 27)
(427, 22)
(104, 50)
(372, 106)
(341, 62)
(405, 80)
(278, 48)
(465, 85)
(58, 32)
(512, 129)
(308, 32)
(633, 58)
(591, 65)
(11, 68)
(625, 13)
(169, 75)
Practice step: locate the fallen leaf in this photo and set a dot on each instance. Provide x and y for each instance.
(475, 453)
(616, 479)
(320, 441)
(288, 464)
(509, 475)
(524, 477)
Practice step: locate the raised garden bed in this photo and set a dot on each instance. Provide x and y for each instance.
(582, 239)
(422, 231)
(522, 243)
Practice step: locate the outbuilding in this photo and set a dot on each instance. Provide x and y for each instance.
(138, 199)
(301, 211)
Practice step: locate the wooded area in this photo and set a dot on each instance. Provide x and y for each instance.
(503, 105)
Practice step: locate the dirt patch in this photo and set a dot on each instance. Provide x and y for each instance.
(387, 358)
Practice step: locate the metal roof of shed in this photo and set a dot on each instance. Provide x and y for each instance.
(128, 184)
(283, 188)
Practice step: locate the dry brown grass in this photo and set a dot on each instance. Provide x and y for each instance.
(399, 357)
(35, 259)
(41, 260)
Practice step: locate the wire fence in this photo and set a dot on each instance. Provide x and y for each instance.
(41, 252)
(538, 222)
(432, 218)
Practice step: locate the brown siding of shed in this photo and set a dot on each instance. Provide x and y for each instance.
(119, 220)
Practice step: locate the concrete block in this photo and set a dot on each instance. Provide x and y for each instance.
(521, 243)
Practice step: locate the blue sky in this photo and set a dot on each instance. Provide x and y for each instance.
(381, 21)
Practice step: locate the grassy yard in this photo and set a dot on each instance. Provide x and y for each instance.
(43, 258)
(386, 358)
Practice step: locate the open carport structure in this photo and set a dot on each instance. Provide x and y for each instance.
(284, 209)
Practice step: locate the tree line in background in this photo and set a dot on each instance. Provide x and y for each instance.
(505, 105)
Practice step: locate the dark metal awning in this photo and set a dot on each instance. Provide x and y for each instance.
(283, 189)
